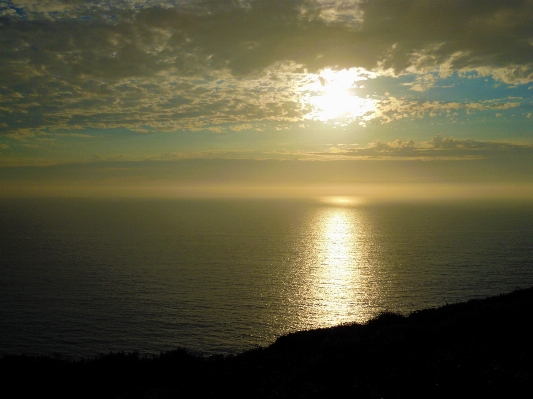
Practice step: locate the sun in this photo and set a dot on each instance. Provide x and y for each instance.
(331, 95)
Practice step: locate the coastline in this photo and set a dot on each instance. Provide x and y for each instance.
(482, 347)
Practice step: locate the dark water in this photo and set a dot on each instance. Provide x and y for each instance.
(82, 277)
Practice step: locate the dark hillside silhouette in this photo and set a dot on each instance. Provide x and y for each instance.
(480, 348)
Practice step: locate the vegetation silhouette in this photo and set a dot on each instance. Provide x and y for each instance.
(479, 348)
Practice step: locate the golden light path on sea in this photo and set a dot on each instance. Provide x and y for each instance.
(337, 285)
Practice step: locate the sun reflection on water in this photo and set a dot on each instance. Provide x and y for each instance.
(340, 200)
(337, 264)
(337, 285)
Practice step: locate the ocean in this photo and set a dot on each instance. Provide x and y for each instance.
(81, 277)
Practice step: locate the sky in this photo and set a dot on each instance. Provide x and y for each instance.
(243, 95)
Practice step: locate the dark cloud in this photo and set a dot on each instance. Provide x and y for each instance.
(464, 34)
(393, 35)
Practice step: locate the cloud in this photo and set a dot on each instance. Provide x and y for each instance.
(390, 108)
(423, 82)
(438, 148)
(396, 145)
(238, 128)
(451, 143)
(249, 36)
(172, 65)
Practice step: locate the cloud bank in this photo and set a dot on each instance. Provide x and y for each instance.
(439, 148)
(170, 65)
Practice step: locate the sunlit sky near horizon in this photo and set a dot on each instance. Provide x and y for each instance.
(265, 92)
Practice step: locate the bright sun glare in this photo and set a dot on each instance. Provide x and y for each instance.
(332, 96)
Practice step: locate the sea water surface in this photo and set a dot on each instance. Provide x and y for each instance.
(86, 276)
